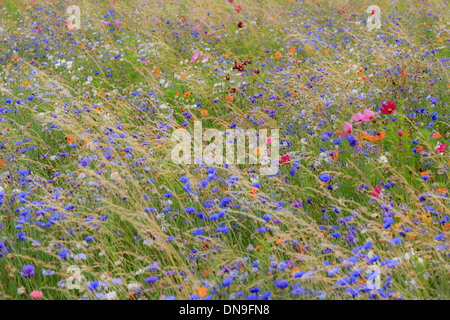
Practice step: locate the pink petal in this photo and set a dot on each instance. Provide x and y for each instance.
(195, 56)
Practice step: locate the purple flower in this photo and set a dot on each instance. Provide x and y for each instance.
(3, 250)
(63, 253)
(28, 271)
(152, 279)
(282, 283)
(325, 177)
(198, 232)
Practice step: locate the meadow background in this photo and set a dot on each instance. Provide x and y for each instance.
(87, 179)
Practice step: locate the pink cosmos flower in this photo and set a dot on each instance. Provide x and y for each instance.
(197, 29)
(441, 148)
(105, 23)
(195, 56)
(36, 294)
(238, 9)
(369, 115)
(357, 118)
(285, 158)
(204, 57)
(376, 192)
(118, 23)
(269, 140)
(348, 130)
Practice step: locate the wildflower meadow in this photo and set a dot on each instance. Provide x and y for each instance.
(224, 150)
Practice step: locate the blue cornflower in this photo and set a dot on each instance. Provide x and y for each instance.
(325, 177)
(28, 271)
(63, 253)
(152, 279)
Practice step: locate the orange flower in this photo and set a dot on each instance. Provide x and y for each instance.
(202, 292)
(293, 271)
(69, 139)
(292, 50)
(280, 241)
(278, 55)
(335, 155)
(363, 78)
(436, 134)
(204, 112)
(364, 135)
(187, 94)
(257, 248)
(378, 137)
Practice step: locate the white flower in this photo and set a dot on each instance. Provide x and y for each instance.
(134, 287)
(111, 295)
(383, 159)
(114, 175)
(21, 290)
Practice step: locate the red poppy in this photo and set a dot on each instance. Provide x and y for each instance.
(240, 25)
(388, 108)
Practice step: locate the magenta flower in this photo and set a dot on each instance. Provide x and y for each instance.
(357, 118)
(441, 148)
(369, 115)
(376, 192)
(195, 56)
(348, 130)
(285, 158)
(197, 29)
(36, 294)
